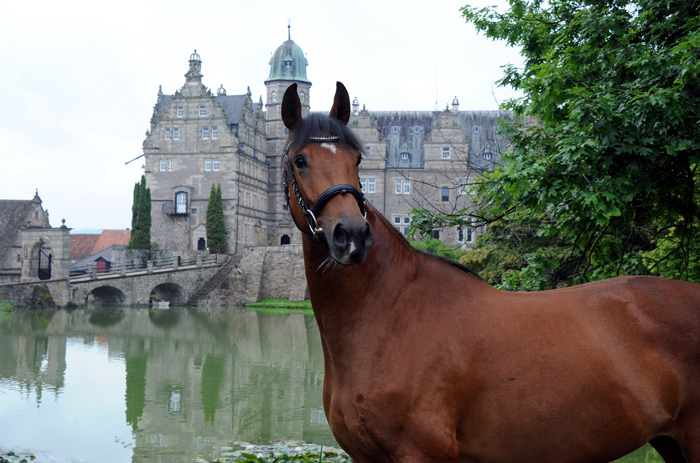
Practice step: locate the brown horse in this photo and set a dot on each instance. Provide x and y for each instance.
(425, 362)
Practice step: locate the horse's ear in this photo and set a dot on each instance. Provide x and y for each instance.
(341, 104)
(291, 107)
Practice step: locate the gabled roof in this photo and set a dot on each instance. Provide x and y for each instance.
(233, 106)
(81, 245)
(84, 245)
(13, 215)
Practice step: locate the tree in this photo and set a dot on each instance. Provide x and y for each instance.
(216, 230)
(141, 216)
(605, 182)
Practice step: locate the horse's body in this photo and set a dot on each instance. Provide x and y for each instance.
(425, 362)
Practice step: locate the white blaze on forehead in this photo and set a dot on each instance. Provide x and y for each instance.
(328, 146)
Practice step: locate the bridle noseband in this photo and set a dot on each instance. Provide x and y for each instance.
(318, 206)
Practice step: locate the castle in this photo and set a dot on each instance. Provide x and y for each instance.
(412, 159)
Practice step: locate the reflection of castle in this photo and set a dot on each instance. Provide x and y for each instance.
(194, 380)
(197, 138)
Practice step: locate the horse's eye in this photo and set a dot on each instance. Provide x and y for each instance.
(300, 162)
(359, 160)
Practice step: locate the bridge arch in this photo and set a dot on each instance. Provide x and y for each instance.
(171, 292)
(107, 295)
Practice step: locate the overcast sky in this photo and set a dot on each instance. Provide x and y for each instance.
(79, 78)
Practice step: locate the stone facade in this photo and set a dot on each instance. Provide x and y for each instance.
(412, 159)
(30, 249)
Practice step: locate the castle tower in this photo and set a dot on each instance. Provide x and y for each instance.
(287, 66)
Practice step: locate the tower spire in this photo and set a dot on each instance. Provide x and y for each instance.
(289, 29)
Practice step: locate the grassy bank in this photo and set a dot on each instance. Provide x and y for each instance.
(280, 306)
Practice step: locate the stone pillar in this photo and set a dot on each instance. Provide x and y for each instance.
(92, 271)
(199, 260)
(149, 266)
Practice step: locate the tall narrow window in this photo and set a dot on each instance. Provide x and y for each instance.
(167, 134)
(301, 97)
(179, 111)
(407, 187)
(170, 165)
(181, 203)
(176, 133)
(463, 186)
(216, 164)
(162, 165)
(445, 196)
(363, 185)
(371, 184)
(445, 153)
(207, 164)
(399, 184)
(202, 111)
(273, 97)
(368, 151)
(205, 133)
(215, 132)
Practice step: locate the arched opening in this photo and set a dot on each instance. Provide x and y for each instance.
(169, 292)
(41, 257)
(106, 316)
(201, 244)
(165, 318)
(285, 240)
(106, 296)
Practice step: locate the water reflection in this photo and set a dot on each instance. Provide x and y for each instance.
(192, 380)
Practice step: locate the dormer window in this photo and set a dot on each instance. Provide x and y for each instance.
(202, 111)
(181, 202)
(404, 156)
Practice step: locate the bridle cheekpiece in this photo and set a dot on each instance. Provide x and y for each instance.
(315, 210)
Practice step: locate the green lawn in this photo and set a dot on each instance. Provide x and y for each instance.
(281, 306)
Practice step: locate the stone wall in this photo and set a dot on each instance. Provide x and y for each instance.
(32, 295)
(274, 272)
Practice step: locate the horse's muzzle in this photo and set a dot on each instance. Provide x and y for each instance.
(349, 241)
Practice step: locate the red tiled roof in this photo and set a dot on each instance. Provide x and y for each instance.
(82, 246)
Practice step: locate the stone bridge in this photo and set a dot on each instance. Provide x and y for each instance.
(259, 272)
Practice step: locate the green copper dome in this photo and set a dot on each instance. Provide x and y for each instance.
(288, 63)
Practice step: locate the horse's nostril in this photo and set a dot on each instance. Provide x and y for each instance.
(340, 236)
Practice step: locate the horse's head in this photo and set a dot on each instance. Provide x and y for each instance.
(322, 177)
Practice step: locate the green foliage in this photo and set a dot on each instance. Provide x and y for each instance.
(135, 388)
(6, 307)
(216, 230)
(279, 303)
(605, 183)
(141, 217)
(212, 375)
(437, 248)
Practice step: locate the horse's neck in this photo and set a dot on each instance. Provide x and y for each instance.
(340, 295)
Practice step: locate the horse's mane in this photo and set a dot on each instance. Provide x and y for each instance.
(454, 264)
(315, 125)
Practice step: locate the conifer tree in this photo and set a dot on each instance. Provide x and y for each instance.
(141, 216)
(216, 232)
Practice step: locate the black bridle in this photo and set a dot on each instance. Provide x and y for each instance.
(320, 203)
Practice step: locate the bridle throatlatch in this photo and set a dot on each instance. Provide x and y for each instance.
(318, 206)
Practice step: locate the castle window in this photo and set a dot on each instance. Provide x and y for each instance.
(18, 259)
(194, 211)
(435, 234)
(445, 196)
(216, 164)
(487, 154)
(176, 133)
(273, 97)
(445, 153)
(181, 203)
(170, 165)
(363, 185)
(162, 165)
(301, 97)
(207, 165)
(202, 111)
(402, 224)
(463, 186)
(167, 134)
(179, 111)
(371, 185)
(407, 187)
(368, 151)
(205, 133)
(465, 235)
(404, 155)
(215, 132)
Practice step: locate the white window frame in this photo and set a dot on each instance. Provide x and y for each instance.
(371, 185)
(170, 165)
(205, 133)
(368, 151)
(446, 153)
(179, 112)
(407, 187)
(167, 134)
(399, 187)
(215, 132)
(402, 223)
(363, 185)
(207, 164)
(273, 97)
(404, 155)
(176, 133)
(463, 186)
(181, 202)
(162, 165)
(202, 111)
(215, 165)
(301, 97)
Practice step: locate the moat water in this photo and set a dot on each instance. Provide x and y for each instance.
(114, 385)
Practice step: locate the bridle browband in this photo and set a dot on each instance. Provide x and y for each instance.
(320, 203)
